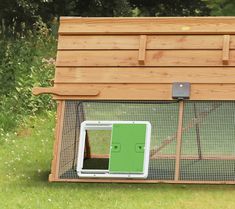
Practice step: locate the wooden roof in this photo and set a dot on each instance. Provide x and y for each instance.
(140, 58)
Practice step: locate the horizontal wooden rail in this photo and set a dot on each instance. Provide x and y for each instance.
(144, 75)
(125, 42)
(65, 91)
(159, 58)
(150, 91)
(153, 25)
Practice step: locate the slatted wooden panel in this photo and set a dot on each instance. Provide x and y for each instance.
(140, 58)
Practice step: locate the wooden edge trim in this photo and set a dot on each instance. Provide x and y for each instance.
(142, 49)
(57, 148)
(56, 136)
(186, 19)
(42, 90)
(226, 47)
(179, 140)
(65, 92)
(88, 180)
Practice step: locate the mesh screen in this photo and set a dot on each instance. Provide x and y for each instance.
(208, 142)
(162, 115)
(208, 138)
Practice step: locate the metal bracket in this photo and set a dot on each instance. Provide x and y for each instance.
(181, 90)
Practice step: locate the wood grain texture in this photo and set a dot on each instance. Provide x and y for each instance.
(59, 138)
(69, 92)
(141, 181)
(144, 75)
(154, 25)
(153, 58)
(142, 49)
(151, 91)
(179, 140)
(56, 141)
(226, 49)
(115, 42)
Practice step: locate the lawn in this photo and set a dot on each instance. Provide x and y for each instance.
(25, 158)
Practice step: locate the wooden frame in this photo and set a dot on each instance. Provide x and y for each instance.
(139, 59)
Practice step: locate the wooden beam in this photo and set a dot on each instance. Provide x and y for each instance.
(116, 58)
(56, 141)
(142, 75)
(149, 25)
(179, 140)
(131, 42)
(142, 49)
(149, 91)
(142, 181)
(226, 48)
(62, 92)
(59, 138)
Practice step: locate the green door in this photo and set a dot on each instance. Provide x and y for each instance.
(127, 148)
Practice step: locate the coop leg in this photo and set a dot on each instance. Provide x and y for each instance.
(179, 140)
(197, 134)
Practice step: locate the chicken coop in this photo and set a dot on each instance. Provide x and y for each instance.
(144, 100)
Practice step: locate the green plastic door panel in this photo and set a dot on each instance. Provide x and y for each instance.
(127, 148)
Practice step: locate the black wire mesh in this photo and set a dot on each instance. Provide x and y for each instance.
(208, 138)
(208, 141)
(161, 114)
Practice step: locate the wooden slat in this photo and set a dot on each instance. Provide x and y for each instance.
(142, 49)
(189, 25)
(151, 91)
(226, 48)
(59, 138)
(145, 75)
(86, 42)
(141, 181)
(179, 140)
(56, 141)
(65, 92)
(153, 58)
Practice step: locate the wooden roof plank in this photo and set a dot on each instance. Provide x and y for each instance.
(116, 42)
(153, 58)
(154, 25)
(145, 75)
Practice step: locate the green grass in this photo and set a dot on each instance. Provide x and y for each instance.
(25, 158)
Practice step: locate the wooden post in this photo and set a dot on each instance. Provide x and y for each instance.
(197, 134)
(179, 140)
(57, 145)
(142, 49)
(226, 46)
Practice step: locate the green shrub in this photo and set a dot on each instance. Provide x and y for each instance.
(25, 62)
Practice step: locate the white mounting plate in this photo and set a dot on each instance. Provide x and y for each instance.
(107, 125)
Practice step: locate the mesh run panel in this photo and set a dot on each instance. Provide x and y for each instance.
(162, 115)
(208, 143)
(208, 137)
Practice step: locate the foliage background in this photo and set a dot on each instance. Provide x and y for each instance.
(28, 31)
(28, 36)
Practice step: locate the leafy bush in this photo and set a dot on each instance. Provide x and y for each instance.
(25, 62)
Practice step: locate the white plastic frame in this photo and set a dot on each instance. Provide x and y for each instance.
(108, 125)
